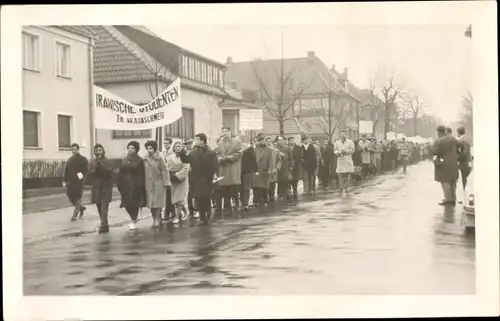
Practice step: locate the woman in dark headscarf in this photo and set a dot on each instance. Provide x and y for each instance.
(131, 183)
(101, 175)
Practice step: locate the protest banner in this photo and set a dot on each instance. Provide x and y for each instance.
(113, 112)
(251, 119)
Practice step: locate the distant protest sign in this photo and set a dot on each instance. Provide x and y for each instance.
(251, 119)
(365, 127)
(113, 112)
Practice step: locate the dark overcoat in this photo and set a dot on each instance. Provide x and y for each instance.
(445, 148)
(74, 185)
(264, 166)
(284, 172)
(204, 166)
(131, 183)
(101, 175)
(296, 162)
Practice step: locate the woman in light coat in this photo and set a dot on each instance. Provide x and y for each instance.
(179, 172)
(156, 181)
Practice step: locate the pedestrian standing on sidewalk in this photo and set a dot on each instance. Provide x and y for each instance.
(101, 175)
(156, 181)
(404, 153)
(131, 183)
(285, 171)
(261, 179)
(229, 157)
(327, 158)
(274, 169)
(169, 208)
(446, 165)
(178, 166)
(296, 163)
(74, 172)
(204, 168)
(464, 156)
(365, 148)
(188, 148)
(377, 156)
(344, 148)
(248, 170)
(310, 165)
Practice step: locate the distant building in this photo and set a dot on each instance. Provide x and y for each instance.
(56, 90)
(307, 75)
(135, 64)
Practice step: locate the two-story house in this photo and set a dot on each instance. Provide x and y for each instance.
(302, 86)
(136, 65)
(56, 91)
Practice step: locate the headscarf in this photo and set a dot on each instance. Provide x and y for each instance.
(96, 146)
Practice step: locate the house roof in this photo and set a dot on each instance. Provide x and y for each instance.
(125, 54)
(81, 30)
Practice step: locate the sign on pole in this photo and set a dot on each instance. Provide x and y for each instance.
(113, 112)
(251, 119)
(365, 126)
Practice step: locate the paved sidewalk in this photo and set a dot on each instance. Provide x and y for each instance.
(56, 201)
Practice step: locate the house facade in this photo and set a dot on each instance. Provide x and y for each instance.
(304, 87)
(136, 65)
(56, 91)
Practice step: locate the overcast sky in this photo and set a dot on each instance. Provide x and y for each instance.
(432, 61)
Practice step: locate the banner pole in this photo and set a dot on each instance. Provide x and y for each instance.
(93, 129)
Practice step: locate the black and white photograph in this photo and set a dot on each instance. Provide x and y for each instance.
(322, 151)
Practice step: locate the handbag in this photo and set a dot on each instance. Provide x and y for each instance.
(173, 177)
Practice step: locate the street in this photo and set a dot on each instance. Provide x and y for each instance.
(388, 236)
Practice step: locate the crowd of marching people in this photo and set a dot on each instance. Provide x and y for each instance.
(191, 180)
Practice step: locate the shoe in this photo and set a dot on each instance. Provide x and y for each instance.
(184, 216)
(81, 212)
(245, 208)
(132, 226)
(175, 221)
(103, 229)
(203, 223)
(442, 203)
(196, 215)
(73, 218)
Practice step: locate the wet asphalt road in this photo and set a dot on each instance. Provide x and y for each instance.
(388, 236)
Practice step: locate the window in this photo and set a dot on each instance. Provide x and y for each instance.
(215, 76)
(63, 60)
(210, 74)
(191, 68)
(64, 131)
(230, 118)
(221, 78)
(145, 133)
(204, 72)
(183, 127)
(31, 52)
(31, 129)
(184, 66)
(198, 71)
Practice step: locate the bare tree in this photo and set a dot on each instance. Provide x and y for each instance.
(376, 107)
(333, 111)
(466, 117)
(278, 92)
(414, 108)
(390, 93)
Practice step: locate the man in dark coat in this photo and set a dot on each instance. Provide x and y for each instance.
(446, 165)
(262, 179)
(309, 164)
(204, 168)
(296, 164)
(248, 170)
(327, 156)
(76, 169)
(464, 156)
(101, 175)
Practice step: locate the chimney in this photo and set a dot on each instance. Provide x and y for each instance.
(345, 73)
(333, 68)
(311, 54)
(229, 60)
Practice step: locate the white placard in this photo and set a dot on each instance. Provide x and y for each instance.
(112, 112)
(251, 119)
(365, 126)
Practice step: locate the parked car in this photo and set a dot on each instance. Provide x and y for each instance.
(468, 213)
